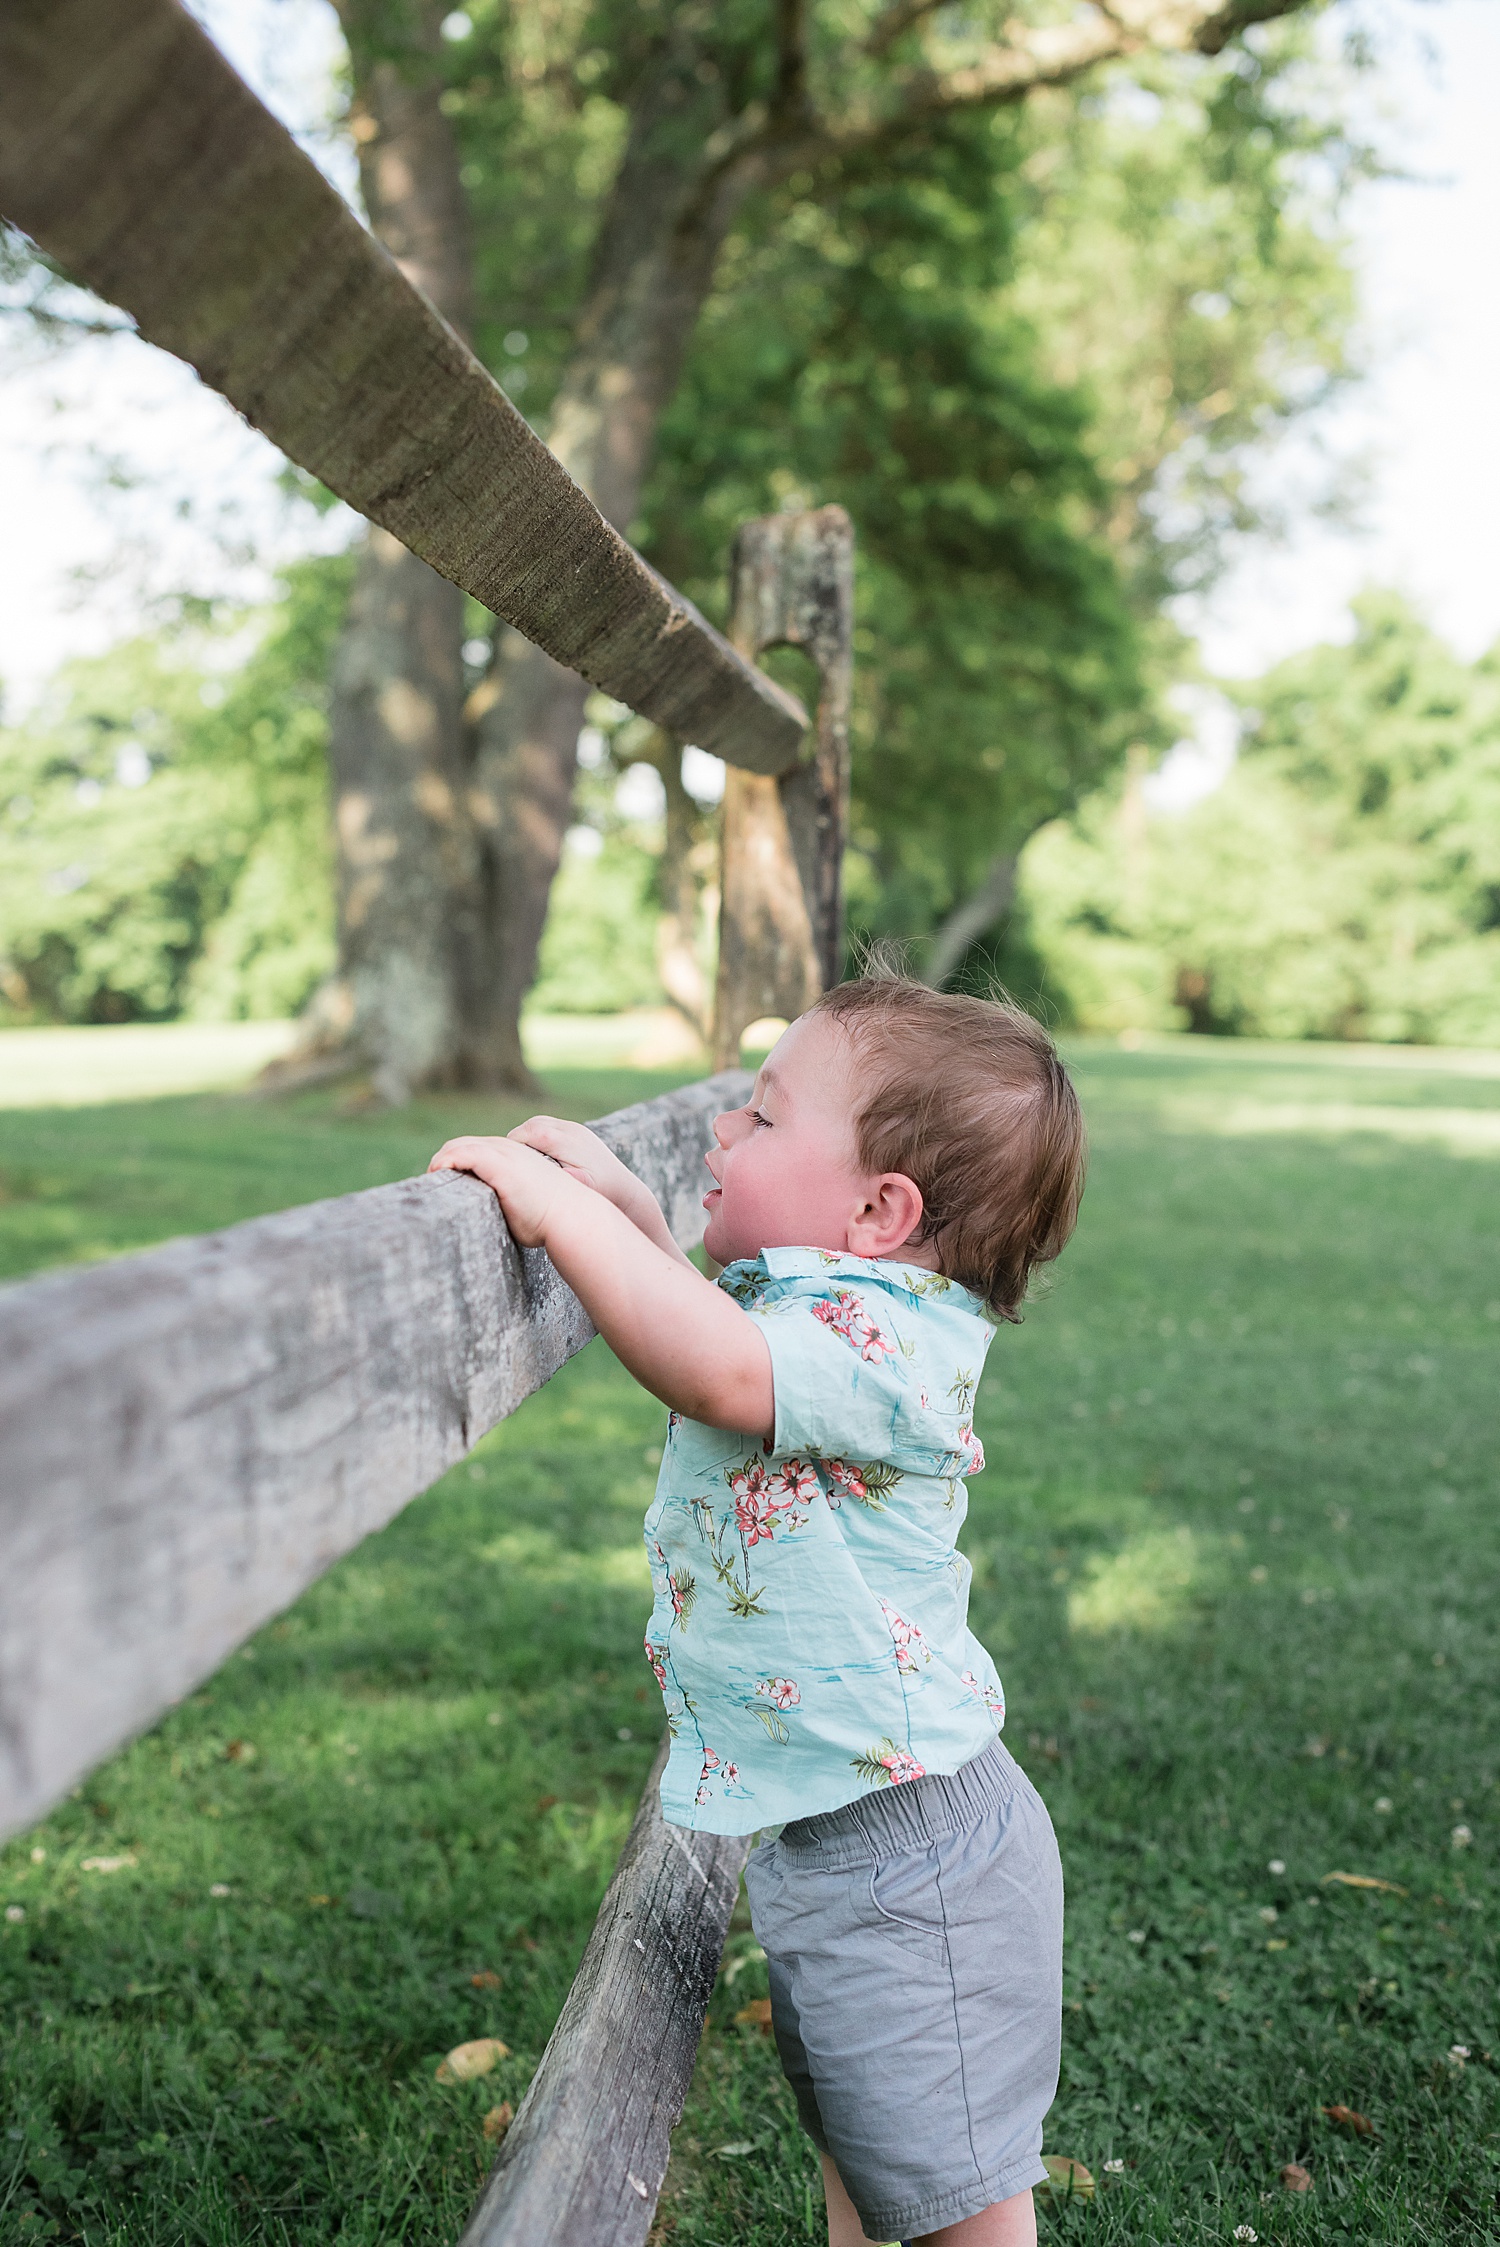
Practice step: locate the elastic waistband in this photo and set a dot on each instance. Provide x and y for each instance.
(910, 1815)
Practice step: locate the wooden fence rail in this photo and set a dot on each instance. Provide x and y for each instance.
(189, 1437)
(132, 154)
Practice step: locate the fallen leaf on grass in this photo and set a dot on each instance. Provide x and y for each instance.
(1360, 1880)
(732, 2153)
(755, 2015)
(107, 1864)
(466, 2061)
(1348, 2119)
(498, 2121)
(485, 1979)
(1066, 2180)
(1296, 2178)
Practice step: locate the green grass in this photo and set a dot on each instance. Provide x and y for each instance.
(1235, 1553)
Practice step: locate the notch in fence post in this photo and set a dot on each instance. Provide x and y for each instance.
(781, 901)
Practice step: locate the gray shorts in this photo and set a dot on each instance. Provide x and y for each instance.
(914, 1942)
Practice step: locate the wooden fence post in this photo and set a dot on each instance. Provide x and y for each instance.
(781, 910)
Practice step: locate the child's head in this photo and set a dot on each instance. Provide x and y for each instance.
(894, 1119)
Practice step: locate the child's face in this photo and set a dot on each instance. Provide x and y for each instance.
(786, 1171)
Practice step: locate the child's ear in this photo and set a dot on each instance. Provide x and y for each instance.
(887, 1215)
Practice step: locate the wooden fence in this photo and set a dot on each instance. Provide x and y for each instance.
(190, 1437)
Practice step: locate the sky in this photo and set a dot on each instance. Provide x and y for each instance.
(114, 460)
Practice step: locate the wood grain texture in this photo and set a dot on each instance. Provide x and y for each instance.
(189, 1437)
(583, 2162)
(132, 154)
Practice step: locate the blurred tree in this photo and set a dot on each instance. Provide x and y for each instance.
(609, 149)
(1032, 357)
(163, 823)
(942, 286)
(1343, 883)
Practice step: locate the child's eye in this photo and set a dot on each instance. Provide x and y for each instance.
(759, 1116)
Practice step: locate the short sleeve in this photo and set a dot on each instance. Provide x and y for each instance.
(851, 1382)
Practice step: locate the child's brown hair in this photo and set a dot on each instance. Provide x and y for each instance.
(969, 1099)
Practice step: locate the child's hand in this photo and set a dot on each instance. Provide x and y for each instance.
(583, 1155)
(529, 1187)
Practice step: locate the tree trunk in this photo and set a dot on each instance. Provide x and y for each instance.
(653, 268)
(408, 900)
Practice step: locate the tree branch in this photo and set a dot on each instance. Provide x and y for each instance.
(902, 16)
(790, 101)
(1032, 56)
(971, 920)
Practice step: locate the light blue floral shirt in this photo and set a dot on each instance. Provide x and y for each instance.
(810, 1633)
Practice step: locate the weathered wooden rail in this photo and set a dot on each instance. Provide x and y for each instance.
(191, 1436)
(134, 155)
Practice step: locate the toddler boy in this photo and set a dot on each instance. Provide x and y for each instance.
(906, 1159)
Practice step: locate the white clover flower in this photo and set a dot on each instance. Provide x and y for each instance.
(1276, 1866)
(1246, 2231)
(1269, 1914)
(1458, 2053)
(1384, 1805)
(15, 1913)
(1136, 1935)
(1114, 2168)
(1462, 1837)
(220, 1888)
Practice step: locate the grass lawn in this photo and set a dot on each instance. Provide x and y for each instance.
(1236, 1554)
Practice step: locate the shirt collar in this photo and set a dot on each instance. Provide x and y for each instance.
(821, 1263)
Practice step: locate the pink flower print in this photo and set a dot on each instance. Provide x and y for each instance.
(990, 1695)
(886, 1765)
(657, 1657)
(731, 1774)
(848, 1478)
(710, 1765)
(781, 1692)
(795, 1485)
(971, 1450)
(907, 1639)
(846, 1314)
(755, 1511)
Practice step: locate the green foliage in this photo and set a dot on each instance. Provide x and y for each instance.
(1228, 1636)
(861, 349)
(1034, 353)
(163, 822)
(1344, 883)
(599, 950)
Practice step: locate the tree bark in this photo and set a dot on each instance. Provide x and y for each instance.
(399, 760)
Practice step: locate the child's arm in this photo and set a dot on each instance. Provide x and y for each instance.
(680, 1336)
(583, 1154)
